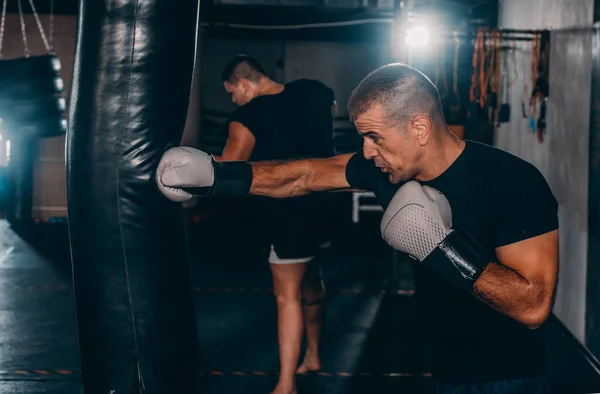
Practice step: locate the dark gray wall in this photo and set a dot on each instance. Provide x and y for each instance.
(341, 65)
(592, 325)
(563, 157)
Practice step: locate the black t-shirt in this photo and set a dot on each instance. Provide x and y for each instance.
(296, 123)
(499, 199)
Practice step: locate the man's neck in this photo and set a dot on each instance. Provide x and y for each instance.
(445, 149)
(267, 86)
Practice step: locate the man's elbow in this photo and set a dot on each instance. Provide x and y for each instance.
(537, 315)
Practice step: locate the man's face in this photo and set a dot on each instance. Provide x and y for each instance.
(241, 92)
(395, 148)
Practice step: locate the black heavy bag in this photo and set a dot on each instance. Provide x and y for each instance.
(132, 284)
(29, 68)
(31, 102)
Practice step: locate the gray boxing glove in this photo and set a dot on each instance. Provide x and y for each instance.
(184, 172)
(418, 221)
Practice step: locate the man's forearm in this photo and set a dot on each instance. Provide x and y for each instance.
(511, 294)
(280, 179)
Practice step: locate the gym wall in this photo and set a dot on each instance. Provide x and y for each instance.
(563, 156)
(340, 65)
(593, 267)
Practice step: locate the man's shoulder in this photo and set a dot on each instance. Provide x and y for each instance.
(502, 163)
(510, 175)
(247, 114)
(251, 109)
(308, 84)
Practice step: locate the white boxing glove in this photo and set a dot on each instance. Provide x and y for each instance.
(184, 167)
(418, 221)
(185, 172)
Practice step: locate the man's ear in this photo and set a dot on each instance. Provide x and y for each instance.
(421, 127)
(244, 84)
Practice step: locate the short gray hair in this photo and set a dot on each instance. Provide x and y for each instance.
(402, 91)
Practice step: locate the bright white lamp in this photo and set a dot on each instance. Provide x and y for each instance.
(418, 36)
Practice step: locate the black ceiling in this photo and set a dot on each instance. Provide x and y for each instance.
(217, 16)
(70, 7)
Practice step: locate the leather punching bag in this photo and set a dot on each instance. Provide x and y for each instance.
(134, 302)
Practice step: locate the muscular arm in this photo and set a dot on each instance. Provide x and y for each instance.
(240, 143)
(524, 285)
(295, 178)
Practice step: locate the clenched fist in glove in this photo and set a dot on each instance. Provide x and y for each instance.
(418, 221)
(184, 172)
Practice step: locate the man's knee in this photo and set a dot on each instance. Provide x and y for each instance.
(313, 295)
(287, 294)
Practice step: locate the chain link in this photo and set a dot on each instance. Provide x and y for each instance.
(52, 24)
(39, 24)
(23, 30)
(48, 43)
(2, 26)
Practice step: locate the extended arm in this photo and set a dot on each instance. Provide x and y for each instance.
(184, 172)
(524, 285)
(295, 178)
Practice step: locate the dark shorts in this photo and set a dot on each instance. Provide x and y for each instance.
(515, 386)
(298, 241)
(298, 230)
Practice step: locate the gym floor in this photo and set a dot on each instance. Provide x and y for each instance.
(374, 340)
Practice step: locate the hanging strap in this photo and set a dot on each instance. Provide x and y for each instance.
(497, 84)
(525, 95)
(488, 53)
(506, 78)
(473, 94)
(482, 57)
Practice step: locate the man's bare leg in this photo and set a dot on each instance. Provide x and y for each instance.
(313, 297)
(287, 286)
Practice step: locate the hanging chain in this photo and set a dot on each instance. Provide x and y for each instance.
(23, 31)
(2, 26)
(49, 44)
(39, 24)
(52, 24)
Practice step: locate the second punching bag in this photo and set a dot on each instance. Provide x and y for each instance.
(132, 77)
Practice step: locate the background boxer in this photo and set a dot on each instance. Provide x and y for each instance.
(282, 122)
(488, 338)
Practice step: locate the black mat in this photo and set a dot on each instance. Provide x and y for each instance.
(373, 341)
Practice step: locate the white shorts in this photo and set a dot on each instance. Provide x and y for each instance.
(275, 259)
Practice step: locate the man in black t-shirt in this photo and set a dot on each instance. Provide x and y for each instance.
(481, 224)
(283, 122)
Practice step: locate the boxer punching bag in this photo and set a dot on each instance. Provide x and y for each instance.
(132, 78)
